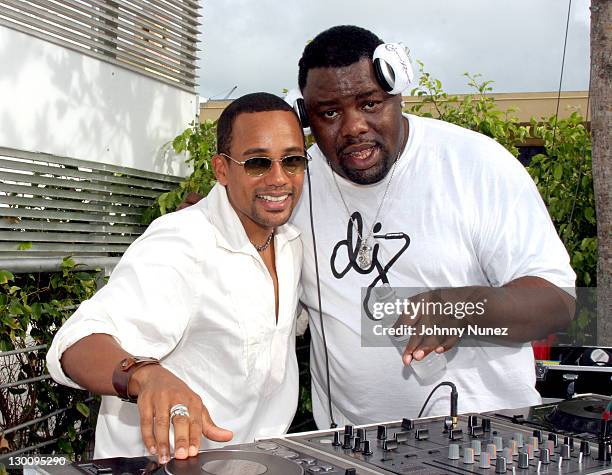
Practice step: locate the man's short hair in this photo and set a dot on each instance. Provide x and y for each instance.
(249, 103)
(337, 47)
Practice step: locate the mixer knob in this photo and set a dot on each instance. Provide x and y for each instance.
(499, 442)
(485, 461)
(476, 431)
(500, 465)
(518, 436)
(350, 471)
(407, 424)
(554, 437)
(453, 452)
(468, 455)
(389, 444)
(477, 446)
(381, 432)
(508, 454)
(401, 437)
(348, 429)
(361, 433)
(529, 450)
(523, 460)
(347, 441)
(455, 434)
(585, 447)
(421, 434)
(336, 441)
(535, 443)
(356, 444)
(538, 433)
(550, 445)
(492, 451)
(366, 450)
(545, 456)
(513, 446)
(565, 451)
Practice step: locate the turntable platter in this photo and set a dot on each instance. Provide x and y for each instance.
(580, 415)
(233, 462)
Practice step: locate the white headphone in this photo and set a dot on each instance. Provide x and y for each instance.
(392, 70)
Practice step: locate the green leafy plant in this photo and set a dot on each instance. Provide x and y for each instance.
(199, 142)
(32, 308)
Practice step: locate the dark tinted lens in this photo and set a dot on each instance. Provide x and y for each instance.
(257, 166)
(294, 164)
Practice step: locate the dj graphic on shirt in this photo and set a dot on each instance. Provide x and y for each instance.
(416, 202)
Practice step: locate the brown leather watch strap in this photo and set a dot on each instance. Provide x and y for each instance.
(124, 371)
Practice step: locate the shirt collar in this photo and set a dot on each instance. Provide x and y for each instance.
(229, 232)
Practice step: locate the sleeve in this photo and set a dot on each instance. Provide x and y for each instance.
(517, 237)
(147, 302)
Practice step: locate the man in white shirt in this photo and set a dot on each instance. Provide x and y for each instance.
(435, 206)
(207, 296)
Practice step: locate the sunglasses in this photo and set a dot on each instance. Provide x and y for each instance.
(258, 166)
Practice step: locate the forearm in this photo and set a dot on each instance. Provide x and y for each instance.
(90, 362)
(530, 308)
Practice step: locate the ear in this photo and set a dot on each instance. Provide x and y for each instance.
(219, 164)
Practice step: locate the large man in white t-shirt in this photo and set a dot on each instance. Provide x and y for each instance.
(437, 206)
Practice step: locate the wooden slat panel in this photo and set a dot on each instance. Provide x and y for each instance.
(102, 167)
(63, 249)
(27, 236)
(126, 32)
(123, 204)
(70, 205)
(32, 225)
(96, 40)
(63, 216)
(62, 171)
(82, 185)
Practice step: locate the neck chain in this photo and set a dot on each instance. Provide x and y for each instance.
(265, 245)
(364, 256)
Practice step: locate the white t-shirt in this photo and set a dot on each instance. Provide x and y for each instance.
(474, 217)
(193, 291)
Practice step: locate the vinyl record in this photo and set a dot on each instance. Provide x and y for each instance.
(579, 416)
(233, 462)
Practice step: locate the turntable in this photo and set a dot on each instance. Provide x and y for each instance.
(581, 416)
(560, 438)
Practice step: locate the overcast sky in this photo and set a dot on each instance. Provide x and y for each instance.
(255, 44)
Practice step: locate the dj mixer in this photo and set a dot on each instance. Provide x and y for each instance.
(562, 438)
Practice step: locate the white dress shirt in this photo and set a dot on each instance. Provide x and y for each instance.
(194, 292)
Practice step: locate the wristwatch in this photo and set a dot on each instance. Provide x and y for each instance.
(124, 371)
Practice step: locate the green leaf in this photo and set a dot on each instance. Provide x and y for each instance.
(82, 408)
(24, 246)
(6, 276)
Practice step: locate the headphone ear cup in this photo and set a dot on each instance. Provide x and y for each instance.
(392, 67)
(385, 81)
(294, 99)
(300, 109)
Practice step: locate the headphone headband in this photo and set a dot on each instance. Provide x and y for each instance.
(392, 70)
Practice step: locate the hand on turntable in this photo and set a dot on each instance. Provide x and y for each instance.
(158, 391)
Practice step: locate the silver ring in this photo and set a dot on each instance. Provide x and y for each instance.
(178, 410)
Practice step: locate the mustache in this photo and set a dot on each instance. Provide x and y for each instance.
(276, 190)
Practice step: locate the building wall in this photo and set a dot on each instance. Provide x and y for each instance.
(58, 101)
(531, 104)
